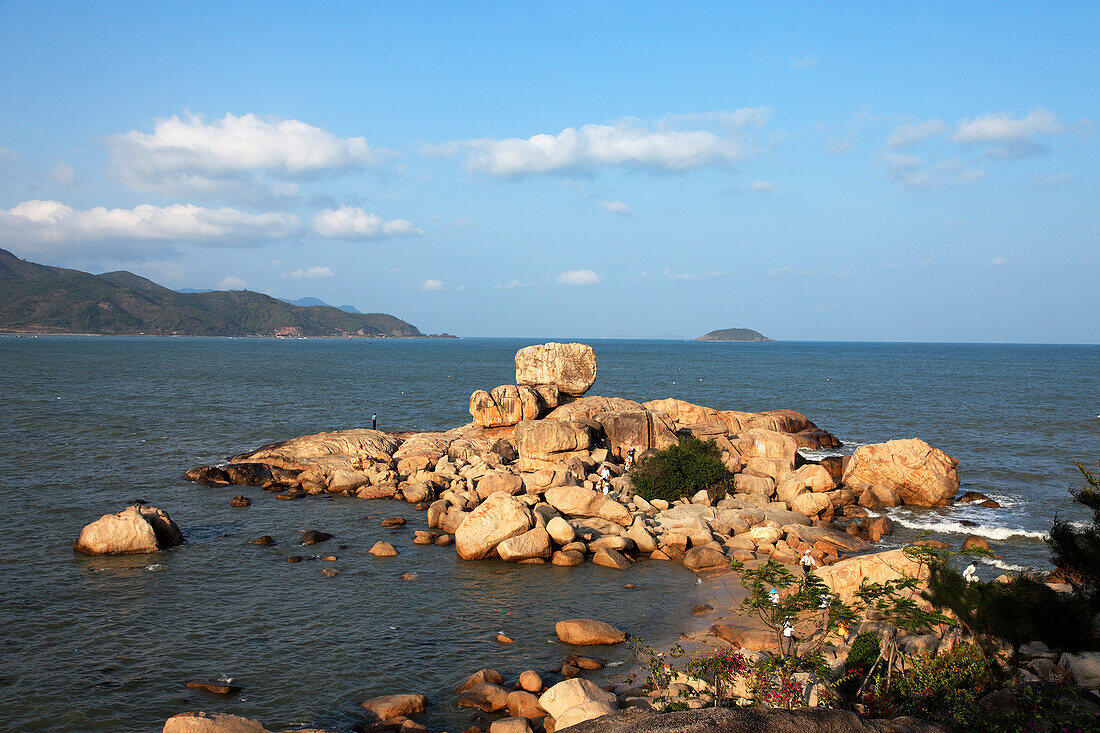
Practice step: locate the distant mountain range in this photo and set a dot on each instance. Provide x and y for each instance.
(41, 299)
(734, 334)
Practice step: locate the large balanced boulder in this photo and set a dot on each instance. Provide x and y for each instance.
(917, 472)
(133, 531)
(507, 404)
(500, 516)
(587, 632)
(197, 722)
(569, 367)
(542, 443)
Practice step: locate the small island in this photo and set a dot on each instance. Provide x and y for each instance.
(734, 334)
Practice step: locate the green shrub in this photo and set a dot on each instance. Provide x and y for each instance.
(682, 470)
(864, 652)
(945, 689)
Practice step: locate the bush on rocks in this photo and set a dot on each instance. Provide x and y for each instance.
(682, 470)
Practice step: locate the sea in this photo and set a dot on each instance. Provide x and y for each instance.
(90, 424)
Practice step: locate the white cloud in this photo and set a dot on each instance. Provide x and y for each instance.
(837, 145)
(689, 277)
(1008, 136)
(224, 156)
(805, 62)
(349, 222)
(63, 174)
(54, 223)
(432, 284)
(616, 207)
(909, 171)
(627, 144)
(764, 187)
(1055, 180)
(996, 262)
(232, 283)
(578, 277)
(513, 284)
(312, 273)
(908, 135)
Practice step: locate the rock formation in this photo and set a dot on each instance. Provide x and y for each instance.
(569, 367)
(135, 530)
(917, 472)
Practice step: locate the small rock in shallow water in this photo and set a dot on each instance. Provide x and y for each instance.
(264, 540)
(393, 522)
(444, 540)
(217, 688)
(330, 572)
(328, 558)
(240, 500)
(291, 495)
(420, 537)
(502, 639)
(294, 558)
(383, 549)
(312, 537)
(702, 609)
(629, 586)
(408, 576)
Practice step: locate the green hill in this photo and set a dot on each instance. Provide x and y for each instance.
(40, 299)
(734, 334)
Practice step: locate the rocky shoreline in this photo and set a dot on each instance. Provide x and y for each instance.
(522, 483)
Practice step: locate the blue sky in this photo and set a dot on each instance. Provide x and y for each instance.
(891, 172)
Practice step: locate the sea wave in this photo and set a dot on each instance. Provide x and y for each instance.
(981, 530)
(998, 563)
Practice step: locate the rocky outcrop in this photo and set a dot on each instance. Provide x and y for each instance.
(569, 367)
(641, 430)
(845, 577)
(751, 719)
(767, 452)
(542, 443)
(507, 404)
(917, 472)
(133, 531)
(348, 449)
(500, 517)
(571, 693)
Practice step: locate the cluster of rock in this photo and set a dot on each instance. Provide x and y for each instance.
(135, 530)
(520, 482)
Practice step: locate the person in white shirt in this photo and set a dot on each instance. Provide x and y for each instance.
(605, 479)
(807, 562)
(970, 575)
(788, 638)
(773, 596)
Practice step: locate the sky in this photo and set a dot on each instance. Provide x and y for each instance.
(814, 171)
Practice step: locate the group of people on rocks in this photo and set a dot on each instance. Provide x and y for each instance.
(628, 464)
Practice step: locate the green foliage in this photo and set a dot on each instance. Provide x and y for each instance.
(1075, 550)
(862, 655)
(681, 470)
(945, 689)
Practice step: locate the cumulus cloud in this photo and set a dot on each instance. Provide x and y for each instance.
(350, 222)
(49, 225)
(232, 283)
(228, 156)
(996, 262)
(908, 135)
(313, 273)
(616, 207)
(676, 143)
(578, 277)
(1009, 137)
(432, 284)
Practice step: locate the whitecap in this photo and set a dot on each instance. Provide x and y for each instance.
(614, 664)
(997, 563)
(992, 533)
(154, 567)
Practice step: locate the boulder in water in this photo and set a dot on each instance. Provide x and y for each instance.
(135, 530)
(920, 474)
(587, 632)
(198, 722)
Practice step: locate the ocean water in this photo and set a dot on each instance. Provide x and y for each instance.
(88, 424)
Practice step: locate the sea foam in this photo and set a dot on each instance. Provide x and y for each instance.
(981, 530)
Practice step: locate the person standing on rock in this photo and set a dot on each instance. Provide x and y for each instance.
(605, 479)
(970, 575)
(374, 421)
(630, 459)
(807, 562)
(788, 638)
